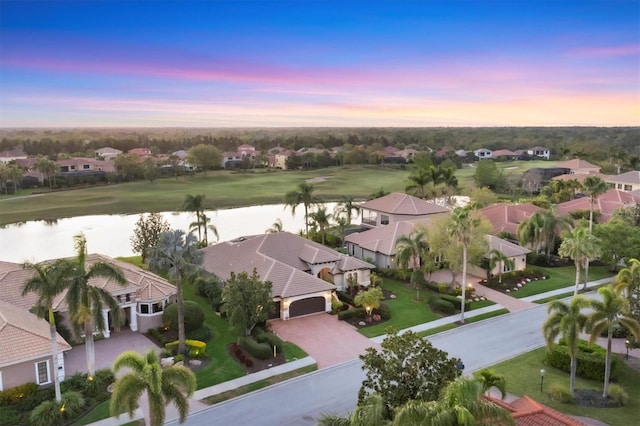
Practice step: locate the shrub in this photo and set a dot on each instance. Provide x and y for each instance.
(618, 395)
(16, 395)
(203, 334)
(257, 350)
(590, 361)
(104, 377)
(383, 310)
(211, 290)
(46, 414)
(351, 313)
(9, 416)
(457, 303)
(443, 288)
(336, 305)
(271, 339)
(559, 393)
(178, 358)
(73, 403)
(193, 316)
(195, 347)
(345, 297)
(441, 305)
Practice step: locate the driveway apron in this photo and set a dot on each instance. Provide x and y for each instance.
(324, 338)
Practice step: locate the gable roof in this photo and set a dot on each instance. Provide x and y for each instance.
(383, 238)
(508, 248)
(403, 204)
(282, 258)
(506, 217)
(527, 412)
(577, 164)
(606, 204)
(24, 336)
(146, 285)
(632, 177)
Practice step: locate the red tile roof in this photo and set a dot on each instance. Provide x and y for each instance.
(403, 204)
(506, 217)
(527, 412)
(606, 204)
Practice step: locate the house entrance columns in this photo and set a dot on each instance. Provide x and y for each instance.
(133, 318)
(105, 320)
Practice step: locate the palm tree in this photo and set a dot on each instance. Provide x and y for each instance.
(321, 218)
(195, 204)
(347, 206)
(47, 168)
(411, 250)
(530, 232)
(276, 227)
(208, 227)
(163, 386)
(417, 182)
(303, 195)
(86, 301)
(48, 282)
(628, 282)
(612, 310)
(460, 403)
(580, 245)
(567, 321)
(489, 379)
(594, 187)
(371, 412)
(178, 256)
(462, 228)
(15, 175)
(496, 257)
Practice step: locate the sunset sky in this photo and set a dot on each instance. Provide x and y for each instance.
(319, 63)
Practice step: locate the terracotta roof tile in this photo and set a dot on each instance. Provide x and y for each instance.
(403, 204)
(632, 177)
(506, 217)
(606, 204)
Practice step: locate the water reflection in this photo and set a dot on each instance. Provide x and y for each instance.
(35, 241)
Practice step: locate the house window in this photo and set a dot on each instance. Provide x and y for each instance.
(151, 308)
(505, 268)
(86, 166)
(42, 373)
(627, 188)
(157, 307)
(144, 308)
(384, 219)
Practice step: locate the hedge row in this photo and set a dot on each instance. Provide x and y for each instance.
(271, 339)
(345, 297)
(590, 365)
(351, 313)
(256, 349)
(442, 305)
(159, 335)
(457, 303)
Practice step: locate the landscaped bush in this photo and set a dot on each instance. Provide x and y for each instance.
(457, 303)
(211, 290)
(559, 393)
(257, 350)
(195, 347)
(383, 310)
(345, 297)
(9, 416)
(270, 339)
(590, 360)
(396, 274)
(203, 334)
(193, 316)
(16, 395)
(336, 306)
(618, 395)
(351, 313)
(441, 305)
(51, 413)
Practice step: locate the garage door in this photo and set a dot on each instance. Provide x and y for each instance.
(308, 306)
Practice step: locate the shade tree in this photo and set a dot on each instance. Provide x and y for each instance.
(246, 300)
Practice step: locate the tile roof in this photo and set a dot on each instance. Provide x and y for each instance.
(24, 336)
(632, 177)
(277, 258)
(606, 204)
(501, 152)
(581, 177)
(506, 217)
(403, 204)
(527, 412)
(146, 285)
(383, 239)
(577, 164)
(506, 247)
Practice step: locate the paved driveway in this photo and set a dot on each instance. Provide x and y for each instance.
(325, 338)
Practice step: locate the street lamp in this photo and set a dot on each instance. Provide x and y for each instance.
(627, 343)
(541, 378)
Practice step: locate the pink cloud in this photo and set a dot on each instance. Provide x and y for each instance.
(608, 51)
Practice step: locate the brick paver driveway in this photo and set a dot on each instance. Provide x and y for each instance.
(324, 338)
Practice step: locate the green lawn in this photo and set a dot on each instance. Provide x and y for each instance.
(99, 412)
(523, 378)
(470, 320)
(222, 189)
(405, 310)
(559, 278)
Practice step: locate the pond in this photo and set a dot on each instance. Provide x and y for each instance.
(36, 241)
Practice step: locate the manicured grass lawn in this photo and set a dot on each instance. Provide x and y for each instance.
(221, 188)
(405, 310)
(99, 412)
(559, 278)
(470, 320)
(523, 378)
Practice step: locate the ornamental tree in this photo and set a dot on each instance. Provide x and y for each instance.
(246, 300)
(406, 368)
(147, 232)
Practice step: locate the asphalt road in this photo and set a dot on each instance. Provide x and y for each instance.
(301, 401)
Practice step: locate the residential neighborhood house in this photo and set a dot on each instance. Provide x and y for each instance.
(627, 182)
(505, 218)
(605, 204)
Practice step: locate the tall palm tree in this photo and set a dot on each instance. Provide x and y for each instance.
(46, 168)
(321, 219)
(461, 228)
(580, 245)
(302, 195)
(208, 227)
(48, 281)
(612, 310)
(460, 403)
(449, 182)
(489, 379)
(594, 187)
(530, 232)
(411, 250)
(552, 225)
(86, 301)
(417, 182)
(498, 258)
(628, 282)
(567, 321)
(347, 206)
(163, 386)
(177, 255)
(195, 204)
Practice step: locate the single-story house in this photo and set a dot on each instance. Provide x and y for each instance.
(25, 352)
(628, 182)
(579, 167)
(303, 273)
(507, 217)
(514, 252)
(107, 153)
(142, 299)
(397, 207)
(7, 157)
(606, 204)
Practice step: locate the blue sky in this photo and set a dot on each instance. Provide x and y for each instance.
(321, 63)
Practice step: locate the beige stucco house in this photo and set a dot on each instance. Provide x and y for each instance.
(514, 252)
(397, 207)
(627, 182)
(303, 273)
